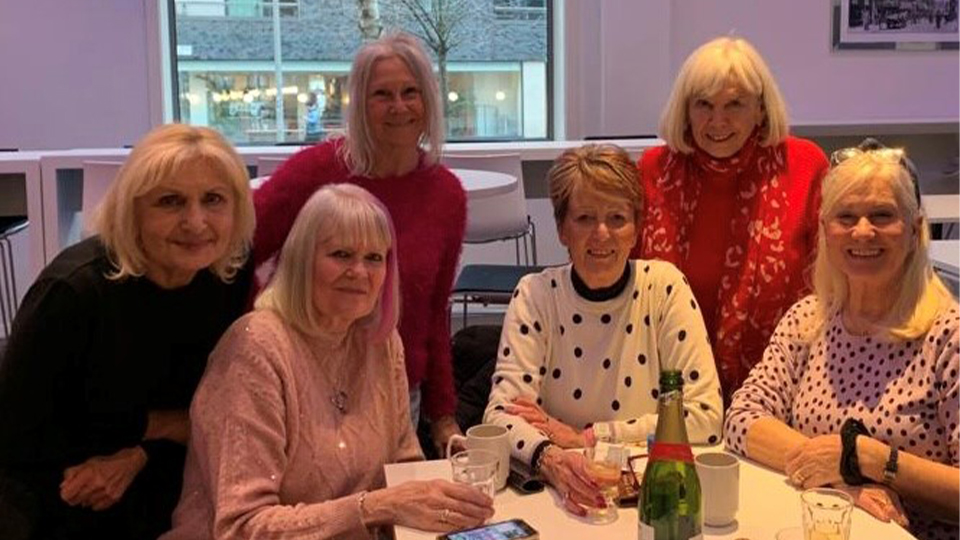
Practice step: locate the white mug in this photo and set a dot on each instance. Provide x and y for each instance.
(488, 437)
(719, 474)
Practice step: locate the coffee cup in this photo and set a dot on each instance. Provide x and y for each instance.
(719, 474)
(489, 437)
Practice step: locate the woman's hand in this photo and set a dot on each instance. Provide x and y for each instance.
(99, 482)
(567, 473)
(879, 501)
(559, 433)
(815, 463)
(441, 430)
(433, 505)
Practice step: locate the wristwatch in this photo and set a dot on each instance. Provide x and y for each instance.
(890, 469)
(849, 463)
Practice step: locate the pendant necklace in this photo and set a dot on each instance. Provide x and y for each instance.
(339, 397)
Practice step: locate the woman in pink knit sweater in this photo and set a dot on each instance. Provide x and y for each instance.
(392, 143)
(305, 399)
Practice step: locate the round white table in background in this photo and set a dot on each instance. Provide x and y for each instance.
(482, 184)
(477, 184)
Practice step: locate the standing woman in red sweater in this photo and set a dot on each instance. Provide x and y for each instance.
(391, 147)
(732, 200)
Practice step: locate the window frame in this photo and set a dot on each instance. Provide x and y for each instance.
(173, 76)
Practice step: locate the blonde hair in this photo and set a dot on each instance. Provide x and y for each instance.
(603, 168)
(706, 71)
(158, 156)
(337, 212)
(922, 296)
(359, 150)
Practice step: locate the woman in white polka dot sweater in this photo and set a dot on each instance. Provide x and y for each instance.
(583, 344)
(858, 387)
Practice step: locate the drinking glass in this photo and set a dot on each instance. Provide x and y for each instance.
(604, 466)
(826, 514)
(477, 468)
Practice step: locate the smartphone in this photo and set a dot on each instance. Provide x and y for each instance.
(514, 529)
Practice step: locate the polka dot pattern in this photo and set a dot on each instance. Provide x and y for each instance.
(905, 392)
(589, 362)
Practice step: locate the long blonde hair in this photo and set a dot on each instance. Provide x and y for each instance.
(706, 71)
(342, 212)
(359, 150)
(158, 156)
(922, 296)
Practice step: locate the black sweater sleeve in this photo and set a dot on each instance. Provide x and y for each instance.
(39, 374)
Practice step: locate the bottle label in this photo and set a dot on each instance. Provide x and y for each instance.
(663, 451)
(646, 532)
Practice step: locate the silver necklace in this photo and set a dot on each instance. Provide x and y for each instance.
(339, 397)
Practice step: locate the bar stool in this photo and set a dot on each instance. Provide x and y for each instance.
(9, 226)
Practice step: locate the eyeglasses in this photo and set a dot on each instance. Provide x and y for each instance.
(875, 147)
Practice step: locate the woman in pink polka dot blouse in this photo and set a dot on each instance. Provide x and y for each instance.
(858, 387)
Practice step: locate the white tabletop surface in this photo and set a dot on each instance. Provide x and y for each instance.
(480, 184)
(767, 504)
(942, 208)
(477, 184)
(945, 255)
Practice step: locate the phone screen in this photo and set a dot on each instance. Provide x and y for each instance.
(505, 530)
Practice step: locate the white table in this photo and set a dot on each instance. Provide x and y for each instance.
(945, 256)
(942, 208)
(25, 165)
(483, 184)
(767, 504)
(477, 184)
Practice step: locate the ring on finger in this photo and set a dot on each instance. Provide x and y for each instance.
(445, 515)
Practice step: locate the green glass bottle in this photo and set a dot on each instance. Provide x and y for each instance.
(670, 495)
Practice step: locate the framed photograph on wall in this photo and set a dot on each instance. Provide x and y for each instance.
(895, 24)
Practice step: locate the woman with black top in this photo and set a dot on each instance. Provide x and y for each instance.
(112, 339)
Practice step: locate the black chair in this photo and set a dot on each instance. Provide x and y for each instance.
(489, 283)
(8, 279)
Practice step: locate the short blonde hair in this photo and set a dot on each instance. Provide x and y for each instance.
(160, 155)
(336, 212)
(705, 72)
(922, 296)
(602, 168)
(359, 151)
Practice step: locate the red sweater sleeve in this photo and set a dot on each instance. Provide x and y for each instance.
(439, 396)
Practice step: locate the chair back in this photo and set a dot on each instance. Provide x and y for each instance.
(497, 217)
(97, 177)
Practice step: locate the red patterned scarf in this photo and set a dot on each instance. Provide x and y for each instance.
(755, 283)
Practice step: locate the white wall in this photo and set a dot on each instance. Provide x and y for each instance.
(85, 74)
(76, 73)
(624, 55)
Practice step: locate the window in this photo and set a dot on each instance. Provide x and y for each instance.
(235, 8)
(233, 75)
(520, 9)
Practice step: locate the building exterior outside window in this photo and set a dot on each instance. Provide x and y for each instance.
(231, 68)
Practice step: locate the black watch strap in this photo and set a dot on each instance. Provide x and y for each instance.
(890, 469)
(849, 463)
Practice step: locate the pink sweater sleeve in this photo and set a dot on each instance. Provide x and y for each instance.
(240, 433)
(409, 446)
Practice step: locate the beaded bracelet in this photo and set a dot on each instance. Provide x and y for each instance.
(361, 499)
